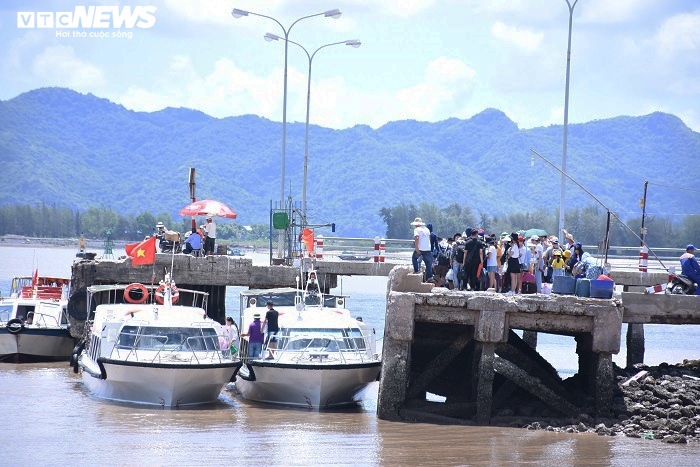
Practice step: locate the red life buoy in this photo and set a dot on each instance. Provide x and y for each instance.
(160, 294)
(138, 288)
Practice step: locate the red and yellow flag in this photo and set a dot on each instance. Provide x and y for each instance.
(307, 236)
(142, 253)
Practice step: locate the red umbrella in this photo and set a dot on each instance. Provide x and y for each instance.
(208, 207)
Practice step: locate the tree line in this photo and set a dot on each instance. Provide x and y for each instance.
(587, 224)
(53, 221)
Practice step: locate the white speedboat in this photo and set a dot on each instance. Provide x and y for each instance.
(143, 348)
(324, 357)
(33, 321)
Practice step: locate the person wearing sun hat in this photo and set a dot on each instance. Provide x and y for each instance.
(558, 263)
(421, 248)
(690, 267)
(209, 235)
(255, 337)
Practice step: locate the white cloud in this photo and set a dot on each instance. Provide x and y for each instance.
(227, 90)
(524, 39)
(65, 69)
(679, 34)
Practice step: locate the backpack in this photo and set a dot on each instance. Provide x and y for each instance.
(443, 257)
(459, 253)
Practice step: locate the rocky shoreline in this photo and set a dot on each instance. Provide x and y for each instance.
(660, 403)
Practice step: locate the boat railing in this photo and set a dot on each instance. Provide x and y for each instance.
(320, 347)
(39, 319)
(156, 348)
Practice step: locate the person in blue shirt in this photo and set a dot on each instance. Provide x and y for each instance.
(193, 243)
(690, 267)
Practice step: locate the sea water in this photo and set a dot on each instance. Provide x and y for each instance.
(48, 418)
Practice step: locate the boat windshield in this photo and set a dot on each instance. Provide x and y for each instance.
(168, 338)
(328, 339)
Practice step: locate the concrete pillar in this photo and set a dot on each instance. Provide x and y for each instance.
(530, 338)
(396, 354)
(484, 389)
(395, 372)
(605, 380)
(635, 344)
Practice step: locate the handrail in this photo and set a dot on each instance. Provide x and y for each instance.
(182, 347)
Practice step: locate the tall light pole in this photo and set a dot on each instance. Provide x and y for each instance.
(566, 119)
(328, 14)
(353, 43)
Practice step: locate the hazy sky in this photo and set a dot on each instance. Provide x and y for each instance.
(427, 60)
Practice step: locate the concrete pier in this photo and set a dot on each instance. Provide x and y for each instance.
(461, 346)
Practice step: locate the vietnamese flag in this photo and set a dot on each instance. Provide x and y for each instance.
(142, 253)
(35, 278)
(307, 236)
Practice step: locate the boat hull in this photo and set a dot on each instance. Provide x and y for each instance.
(165, 385)
(310, 386)
(32, 345)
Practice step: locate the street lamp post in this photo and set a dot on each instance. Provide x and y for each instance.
(353, 43)
(566, 119)
(237, 13)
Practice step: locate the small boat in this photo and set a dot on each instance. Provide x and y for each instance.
(33, 321)
(352, 256)
(235, 252)
(324, 357)
(143, 348)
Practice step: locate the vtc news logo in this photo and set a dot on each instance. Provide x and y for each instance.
(88, 17)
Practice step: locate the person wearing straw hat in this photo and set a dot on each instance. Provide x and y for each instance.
(421, 248)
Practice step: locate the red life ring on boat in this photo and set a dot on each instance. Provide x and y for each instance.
(160, 294)
(138, 288)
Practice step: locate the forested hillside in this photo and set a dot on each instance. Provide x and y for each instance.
(63, 148)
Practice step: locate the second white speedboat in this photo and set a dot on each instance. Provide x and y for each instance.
(142, 348)
(324, 357)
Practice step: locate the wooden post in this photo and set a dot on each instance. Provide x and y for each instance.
(635, 344)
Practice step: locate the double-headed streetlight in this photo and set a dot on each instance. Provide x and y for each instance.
(353, 43)
(566, 118)
(335, 13)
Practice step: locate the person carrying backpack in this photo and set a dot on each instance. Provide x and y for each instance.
(457, 258)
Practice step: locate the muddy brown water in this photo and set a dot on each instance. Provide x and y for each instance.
(48, 418)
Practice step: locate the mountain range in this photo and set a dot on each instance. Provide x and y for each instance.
(61, 147)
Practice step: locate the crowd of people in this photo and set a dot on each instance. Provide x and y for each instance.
(507, 263)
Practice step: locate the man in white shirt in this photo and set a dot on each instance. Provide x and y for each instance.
(421, 248)
(210, 234)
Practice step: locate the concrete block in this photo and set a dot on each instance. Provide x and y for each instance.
(635, 278)
(607, 329)
(491, 326)
(661, 308)
(400, 315)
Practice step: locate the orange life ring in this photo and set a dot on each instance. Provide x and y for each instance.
(160, 294)
(135, 287)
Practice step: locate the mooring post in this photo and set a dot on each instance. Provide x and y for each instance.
(484, 389)
(635, 344)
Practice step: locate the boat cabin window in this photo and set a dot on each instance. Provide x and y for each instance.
(5, 312)
(24, 310)
(328, 339)
(359, 340)
(169, 338)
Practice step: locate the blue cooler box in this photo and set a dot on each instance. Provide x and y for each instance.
(564, 285)
(583, 287)
(602, 289)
